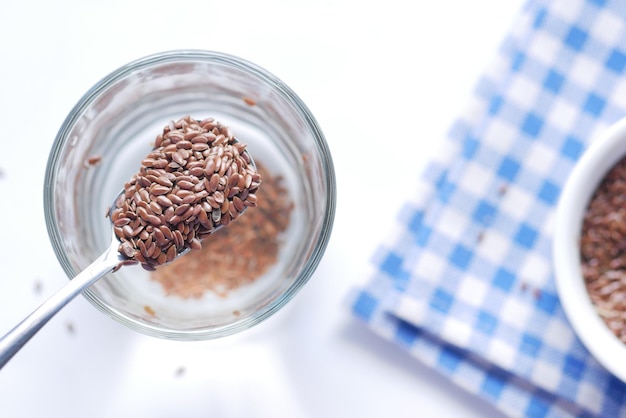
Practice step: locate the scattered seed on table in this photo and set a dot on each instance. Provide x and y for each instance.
(180, 371)
(38, 287)
(69, 326)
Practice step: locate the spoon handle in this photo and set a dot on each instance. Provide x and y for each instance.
(24, 331)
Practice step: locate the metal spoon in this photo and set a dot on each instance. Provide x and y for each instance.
(24, 331)
(109, 261)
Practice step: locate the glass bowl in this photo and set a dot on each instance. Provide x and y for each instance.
(113, 126)
(603, 153)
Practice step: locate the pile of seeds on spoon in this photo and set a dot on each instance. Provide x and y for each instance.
(603, 249)
(197, 178)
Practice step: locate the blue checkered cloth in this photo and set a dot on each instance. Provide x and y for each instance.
(465, 283)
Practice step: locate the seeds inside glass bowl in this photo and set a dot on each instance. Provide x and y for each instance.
(603, 249)
(237, 255)
(197, 178)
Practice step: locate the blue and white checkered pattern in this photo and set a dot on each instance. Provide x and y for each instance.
(466, 283)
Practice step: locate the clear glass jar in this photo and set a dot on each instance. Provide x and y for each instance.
(119, 118)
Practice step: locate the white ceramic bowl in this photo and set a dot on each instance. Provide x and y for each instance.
(603, 153)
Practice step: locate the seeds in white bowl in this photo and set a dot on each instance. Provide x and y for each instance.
(603, 249)
(181, 195)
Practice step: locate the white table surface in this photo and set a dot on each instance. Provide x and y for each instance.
(370, 72)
